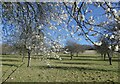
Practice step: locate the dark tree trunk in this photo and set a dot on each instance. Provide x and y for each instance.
(77, 54)
(101, 55)
(28, 58)
(23, 52)
(104, 56)
(110, 58)
(71, 55)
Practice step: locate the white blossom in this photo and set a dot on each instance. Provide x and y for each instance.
(48, 64)
(64, 16)
(73, 26)
(59, 30)
(109, 3)
(72, 33)
(12, 78)
(108, 10)
(112, 36)
(48, 54)
(98, 5)
(91, 17)
(67, 34)
(86, 11)
(89, 1)
(106, 35)
(116, 48)
(110, 47)
(114, 11)
(40, 27)
(44, 37)
(60, 58)
(116, 27)
(53, 27)
(98, 43)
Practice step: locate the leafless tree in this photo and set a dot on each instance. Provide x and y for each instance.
(27, 19)
(73, 47)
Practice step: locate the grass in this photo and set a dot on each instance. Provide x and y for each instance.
(84, 68)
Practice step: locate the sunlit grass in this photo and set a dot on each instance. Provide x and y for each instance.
(84, 68)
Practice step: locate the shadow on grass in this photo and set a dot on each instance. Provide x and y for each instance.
(114, 60)
(74, 68)
(78, 63)
(87, 56)
(11, 56)
(87, 59)
(83, 56)
(10, 60)
(5, 64)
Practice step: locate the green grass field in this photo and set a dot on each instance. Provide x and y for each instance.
(85, 68)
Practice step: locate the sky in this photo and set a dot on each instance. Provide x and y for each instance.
(65, 36)
(96, 12)
(0, 34)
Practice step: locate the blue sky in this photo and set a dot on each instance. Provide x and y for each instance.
(68, 37)
(96, 13)
(0, 34)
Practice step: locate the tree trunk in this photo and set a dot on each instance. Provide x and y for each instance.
(23, 56)
(110, 58)
(77, 54)
(104, 56)
(71, 55)
(28, 58)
